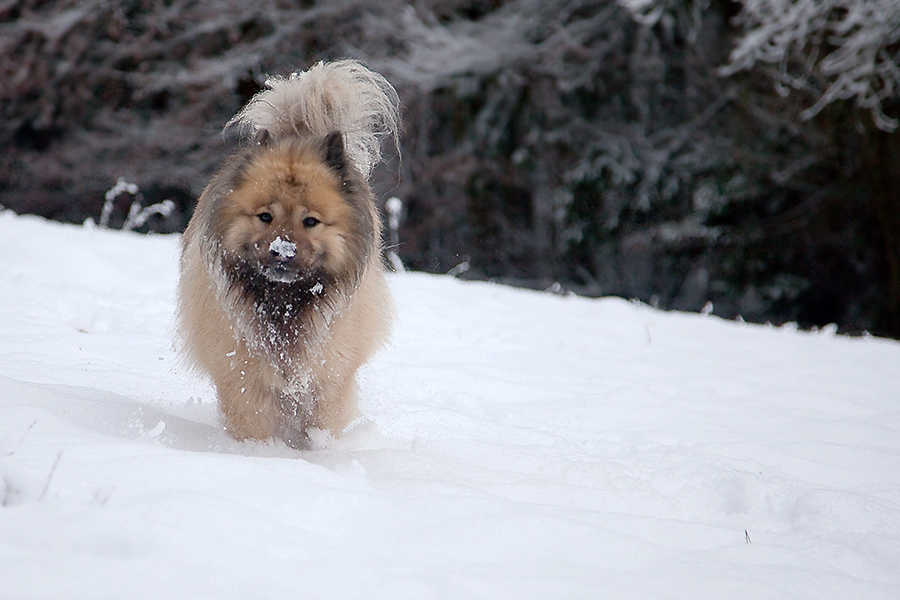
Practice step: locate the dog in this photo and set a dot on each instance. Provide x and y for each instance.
(282, 293)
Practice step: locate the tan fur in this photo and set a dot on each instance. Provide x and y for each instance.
(282, 335)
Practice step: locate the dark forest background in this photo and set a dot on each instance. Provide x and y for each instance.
(678, 152)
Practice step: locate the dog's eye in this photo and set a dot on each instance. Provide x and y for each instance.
(265, 217)
(310, 222)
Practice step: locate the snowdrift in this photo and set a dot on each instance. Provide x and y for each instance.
(513, 445)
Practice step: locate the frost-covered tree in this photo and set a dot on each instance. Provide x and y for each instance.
(841, 50)
(835, 60)
(563, 128)
(835, 49)
(596, 143)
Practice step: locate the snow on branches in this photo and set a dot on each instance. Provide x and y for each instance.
(838, 49)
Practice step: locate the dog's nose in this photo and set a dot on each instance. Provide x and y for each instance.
(283, 249)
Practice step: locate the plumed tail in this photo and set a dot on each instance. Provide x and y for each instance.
(340, 96)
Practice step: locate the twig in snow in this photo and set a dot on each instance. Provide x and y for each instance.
(394, 208)
(21, 440)
(121, 187)
(138, 216)
(50, 475)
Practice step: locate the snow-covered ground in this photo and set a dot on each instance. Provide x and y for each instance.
(514, 445)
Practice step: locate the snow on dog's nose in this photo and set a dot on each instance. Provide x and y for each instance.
(283, 249)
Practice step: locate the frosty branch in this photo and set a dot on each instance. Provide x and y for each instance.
(837, 49)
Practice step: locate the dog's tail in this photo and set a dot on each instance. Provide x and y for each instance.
(340, 96)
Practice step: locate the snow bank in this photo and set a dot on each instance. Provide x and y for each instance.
(514, 445)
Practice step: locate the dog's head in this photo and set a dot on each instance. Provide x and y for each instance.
(296, 213)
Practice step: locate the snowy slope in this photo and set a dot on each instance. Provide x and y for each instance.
(514, 445)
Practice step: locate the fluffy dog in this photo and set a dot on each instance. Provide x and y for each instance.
(282, 294)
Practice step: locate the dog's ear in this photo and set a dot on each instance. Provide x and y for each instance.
(335, 156)
(263, 137)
